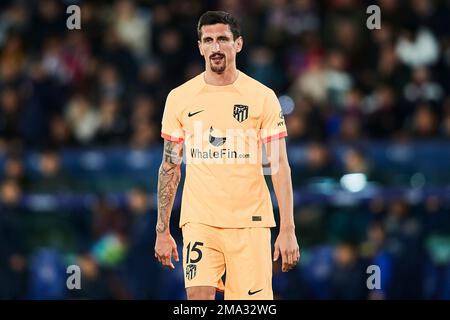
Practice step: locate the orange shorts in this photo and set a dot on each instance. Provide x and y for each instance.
(243, 255)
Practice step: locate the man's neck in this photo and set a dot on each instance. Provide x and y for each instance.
(221, 79)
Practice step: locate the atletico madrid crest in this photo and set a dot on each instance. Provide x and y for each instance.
(240, 112)
(191, 271)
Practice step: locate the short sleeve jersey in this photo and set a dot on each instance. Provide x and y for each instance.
(224, 129)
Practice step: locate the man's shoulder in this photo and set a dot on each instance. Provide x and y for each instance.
(188, 88)
(253, 86)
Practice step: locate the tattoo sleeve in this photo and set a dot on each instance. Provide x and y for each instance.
(168, 180)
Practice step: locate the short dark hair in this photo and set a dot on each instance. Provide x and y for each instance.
(213, 17)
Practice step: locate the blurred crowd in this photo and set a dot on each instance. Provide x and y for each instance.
(104, 86)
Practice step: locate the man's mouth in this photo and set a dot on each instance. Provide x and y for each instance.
(217, 58)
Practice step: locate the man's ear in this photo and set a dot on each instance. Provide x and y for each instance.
(239, 44)
(200, 47)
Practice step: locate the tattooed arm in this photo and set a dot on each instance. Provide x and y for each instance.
(168, 180)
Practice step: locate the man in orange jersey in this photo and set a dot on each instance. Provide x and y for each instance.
(221, 120)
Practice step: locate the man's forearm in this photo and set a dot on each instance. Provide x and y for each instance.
(168, 180)
(282, 185)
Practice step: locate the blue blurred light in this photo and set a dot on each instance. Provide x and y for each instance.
(354, 182)
(287, 104)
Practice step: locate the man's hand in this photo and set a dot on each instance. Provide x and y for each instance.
(286, 245)
(165, 248)
(168, 180)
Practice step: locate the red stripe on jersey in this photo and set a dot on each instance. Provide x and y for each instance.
(170, 138)
(275, 137)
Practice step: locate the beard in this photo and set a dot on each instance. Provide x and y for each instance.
(218, 67)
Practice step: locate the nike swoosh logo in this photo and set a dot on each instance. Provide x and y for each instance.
(250, 293)
(194, 113)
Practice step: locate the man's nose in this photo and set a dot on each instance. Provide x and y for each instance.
(215, 47)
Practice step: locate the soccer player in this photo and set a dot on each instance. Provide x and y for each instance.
(221, 120)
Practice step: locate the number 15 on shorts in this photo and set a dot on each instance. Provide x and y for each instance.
(193, 255)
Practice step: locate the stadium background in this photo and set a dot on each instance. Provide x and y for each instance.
(367, 111)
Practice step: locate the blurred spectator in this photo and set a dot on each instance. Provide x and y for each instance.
(94, 283)
(15, 170)
(298, 127)
(13, 244)
(422, 89)
(377, 209)
(132, 26)
(348, 278)
(51, 175)
(50, 19)
(427, 13)
(352, 103)
(77, 57)
(384, 117)
(192, 70)
(47, 276)
(15, 17)
(144, 135)
(10, 113)
(262, 68)
(149, 81)
(311, 84)
(319, 165)
(108, 220)
(425, 124)
(54, 61)
(436, 222)
(93, 22)
(115, 53)
(389, 68)
(338, 81)
(291, 19)
(13, 56)
(375, 250)
(355, 161)
(305, 122)
(404, 232)
(112, 124)
(83, 118)
(311, 225)
(10, 194)
(172, 56)
(417, 46)
(61, 135)
(351, 129)
(144, 109)
(142, 268)
(110, 84)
